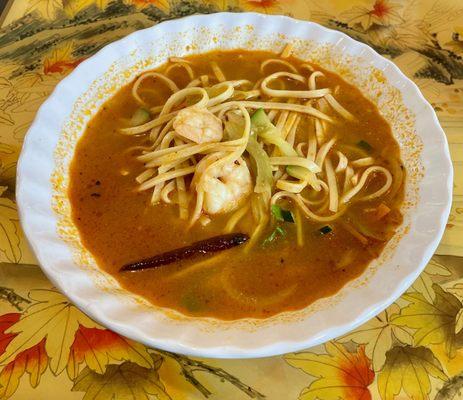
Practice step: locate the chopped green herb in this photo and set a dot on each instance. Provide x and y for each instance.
(281, 214)
(287, 216)
(325, 230)
(277, 232)
(365, 145)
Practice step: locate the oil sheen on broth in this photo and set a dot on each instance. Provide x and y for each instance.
(290, 264)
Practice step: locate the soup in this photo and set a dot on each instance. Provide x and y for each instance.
(236, 184)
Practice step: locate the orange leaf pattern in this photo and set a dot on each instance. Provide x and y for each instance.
(61, 60)
(341, 375)
(99, 347)
(263, 6)
(358, 374)
(6, 321)
(51, 317)
(34, 361)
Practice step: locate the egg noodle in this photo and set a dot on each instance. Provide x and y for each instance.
(307, 169)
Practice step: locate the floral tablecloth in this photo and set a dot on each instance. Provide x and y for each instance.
(50, 350)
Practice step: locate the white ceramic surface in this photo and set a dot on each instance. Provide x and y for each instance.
(49, 145)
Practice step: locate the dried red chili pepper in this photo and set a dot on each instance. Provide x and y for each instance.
(211, 245)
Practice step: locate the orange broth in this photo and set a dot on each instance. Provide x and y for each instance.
(118, 225)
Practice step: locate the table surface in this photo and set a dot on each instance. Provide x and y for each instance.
(50, 350)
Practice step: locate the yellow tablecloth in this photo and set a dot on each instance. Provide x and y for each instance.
(49, 349)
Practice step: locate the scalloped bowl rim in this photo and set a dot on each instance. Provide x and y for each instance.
(233, 347)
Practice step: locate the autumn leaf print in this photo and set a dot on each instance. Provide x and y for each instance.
(263, 6)
(34, 361)
(433, 323)
(61, 60)
(6, 321)
(163, 5)
(341, 375)
(127, 381)
(73, 7)
(100, 347)
(9, 238)
(381, 13)
(408, 368)
(47, 8)
(51, 317)
(424, 282)
(378, 335)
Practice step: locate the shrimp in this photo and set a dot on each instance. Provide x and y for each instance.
(198, 125)
(226, 186)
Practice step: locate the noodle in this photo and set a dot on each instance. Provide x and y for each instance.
(348, 179)
(325, 192)
(245, 95)
(289, 123)
(179, 60)
(338, 108)
(282, 120)
(274, 106)
(182, 197)
(184, 65)
(300, 149)
(149, 125)
(170, 159)
(145, 175)
(332, 186)
(305, 210)
(157, 136)
(278, 62)
(291, 136)
(342, 163)
(195, 82)
(166, 191)
(225, 95)
(236, 217)
(168, 82)
(293, 187)
(346, 197)
(312, 79)
(319, 132)
(323, 151)
(218, 72)
(363, 162)
(300, 94)
(156, 109)
(165, 177)
(308, 67)
(298, 161)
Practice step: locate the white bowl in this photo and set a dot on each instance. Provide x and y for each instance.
(49, 145)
